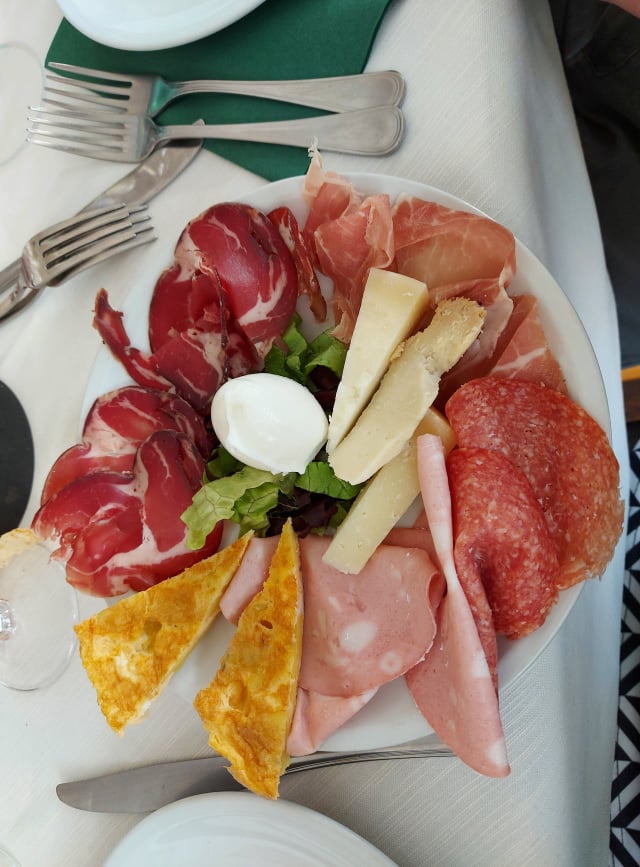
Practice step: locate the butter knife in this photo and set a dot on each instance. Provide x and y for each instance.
(137, 188)
(147, 788)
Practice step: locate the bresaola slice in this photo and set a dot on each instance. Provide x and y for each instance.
(114, 531)
(216, 311)
(453, 686)
(564, 454)
(116, 425)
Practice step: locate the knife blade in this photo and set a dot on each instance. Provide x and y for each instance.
(147, 788)
(144, 182)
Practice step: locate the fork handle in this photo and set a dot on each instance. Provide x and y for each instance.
(14, 290)
(340, 93)
(373, 131)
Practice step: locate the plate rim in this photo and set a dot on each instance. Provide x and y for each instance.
(246, 805)
(282, 192)
(171, 30)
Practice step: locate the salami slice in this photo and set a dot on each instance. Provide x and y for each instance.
(564, 454)
(501, 537)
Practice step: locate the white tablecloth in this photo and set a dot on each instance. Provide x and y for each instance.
(488, 119)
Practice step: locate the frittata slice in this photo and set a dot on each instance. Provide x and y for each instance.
(248, 707)
(131, 649)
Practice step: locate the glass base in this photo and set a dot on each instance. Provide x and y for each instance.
(7, 859)
(38, 609)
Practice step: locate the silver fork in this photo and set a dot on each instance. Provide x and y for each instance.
(149, 94)
(63, 250)
(130, 138)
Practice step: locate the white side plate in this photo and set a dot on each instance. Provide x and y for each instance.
(148, 25)
(238, 828)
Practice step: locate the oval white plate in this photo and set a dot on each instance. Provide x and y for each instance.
(238, 829)
(148, 25)
(391, 716)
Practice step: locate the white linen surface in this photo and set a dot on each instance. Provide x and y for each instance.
(488, 119)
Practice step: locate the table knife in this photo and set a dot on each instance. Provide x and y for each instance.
(147, 788)
(137, 188)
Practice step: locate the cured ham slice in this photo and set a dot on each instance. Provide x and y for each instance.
(317, 716)
(522, 351)
(347, 248)
(502, 543)
(441, 246)
(308, 284)
(116, 425)
(114, 531)
(477, 359)
(563, 453)
(453, 686)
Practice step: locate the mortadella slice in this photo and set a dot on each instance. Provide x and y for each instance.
(317, 716)
(453, 686)
(360, 631)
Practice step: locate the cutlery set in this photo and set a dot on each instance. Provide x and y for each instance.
(109, 116)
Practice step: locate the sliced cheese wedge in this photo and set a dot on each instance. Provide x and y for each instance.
(248, 707)
(407, 390)
(383, 501)
(392, 305)
(131, 649)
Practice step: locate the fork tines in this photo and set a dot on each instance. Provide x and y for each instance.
(94, 133)
(112, 97)
(84, 240)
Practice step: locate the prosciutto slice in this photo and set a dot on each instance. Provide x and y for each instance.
(477, 359)
(346, 248)
(442, 246)
(116, 425)
(113, 529)
(453, 685)
(523, 352)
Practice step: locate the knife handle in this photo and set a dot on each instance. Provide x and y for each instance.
(14, 291)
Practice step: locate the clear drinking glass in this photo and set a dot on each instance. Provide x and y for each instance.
(38, 609)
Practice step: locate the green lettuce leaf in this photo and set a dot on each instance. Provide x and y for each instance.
(238, 497)
(303, 356)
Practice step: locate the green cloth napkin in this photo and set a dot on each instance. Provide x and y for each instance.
(280, 39)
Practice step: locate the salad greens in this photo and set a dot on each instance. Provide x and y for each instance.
(303, 357)
(259, 500)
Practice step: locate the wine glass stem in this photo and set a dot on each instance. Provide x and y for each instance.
(7, 626)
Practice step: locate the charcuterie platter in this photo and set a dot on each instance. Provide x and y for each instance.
(391, 717)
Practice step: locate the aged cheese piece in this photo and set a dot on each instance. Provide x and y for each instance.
(407, 390)
(248, 707)
(391, 308)
(383, 501)
(131, 649)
